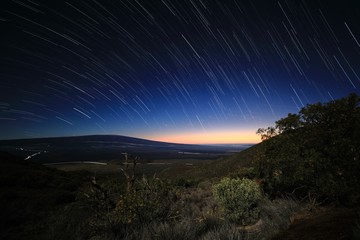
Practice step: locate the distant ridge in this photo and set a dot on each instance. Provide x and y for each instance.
(113, 137)
(107, 147)
(88, 137)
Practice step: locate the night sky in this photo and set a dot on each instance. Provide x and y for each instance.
(191, 71)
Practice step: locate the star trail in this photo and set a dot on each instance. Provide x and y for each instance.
(190, 71)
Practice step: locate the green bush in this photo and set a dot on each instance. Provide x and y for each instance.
(116, 213)
(150, 199)
(239, 199)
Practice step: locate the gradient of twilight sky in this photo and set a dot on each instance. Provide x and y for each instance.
(190, 71)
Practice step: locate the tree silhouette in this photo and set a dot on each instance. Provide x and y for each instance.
(315, 150)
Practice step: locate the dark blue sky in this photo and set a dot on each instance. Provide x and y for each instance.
(185, 71)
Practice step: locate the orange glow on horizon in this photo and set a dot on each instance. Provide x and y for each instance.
(213, 137)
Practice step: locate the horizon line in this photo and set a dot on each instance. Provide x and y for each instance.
(142, 138)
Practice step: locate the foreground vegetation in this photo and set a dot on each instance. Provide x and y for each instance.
(43, 203)
(316, 151)
(306, 163)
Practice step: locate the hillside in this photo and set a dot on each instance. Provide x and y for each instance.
(37, 202)
(30, 195)
(237, 163)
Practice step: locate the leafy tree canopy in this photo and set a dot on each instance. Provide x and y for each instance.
(315, 150)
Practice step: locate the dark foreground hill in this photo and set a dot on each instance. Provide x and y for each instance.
(30, 195)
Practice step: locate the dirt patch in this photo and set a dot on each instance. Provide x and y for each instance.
(329, 224)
